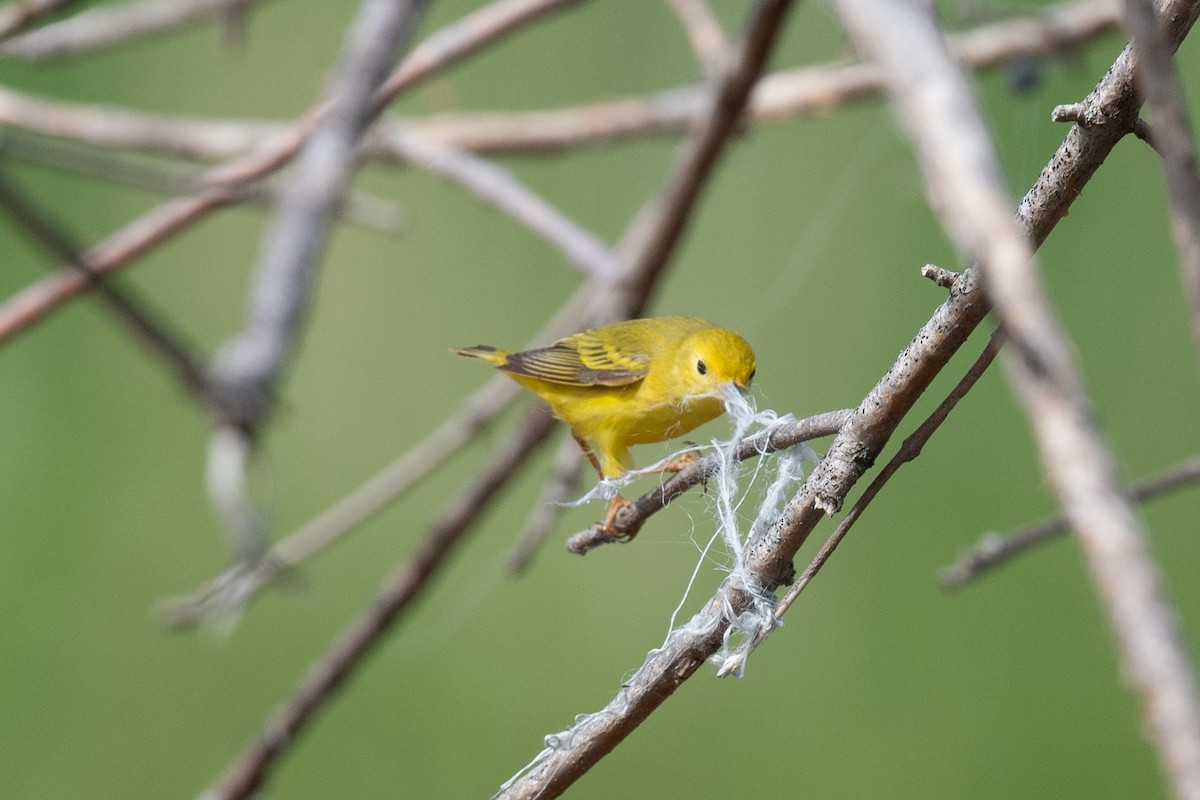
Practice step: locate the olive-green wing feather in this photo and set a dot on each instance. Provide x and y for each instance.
(585, 359)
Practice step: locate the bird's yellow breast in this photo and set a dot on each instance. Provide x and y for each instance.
(611, 418)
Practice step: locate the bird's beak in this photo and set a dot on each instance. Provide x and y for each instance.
(742, 388)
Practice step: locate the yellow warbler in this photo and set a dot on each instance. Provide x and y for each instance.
(635, 382)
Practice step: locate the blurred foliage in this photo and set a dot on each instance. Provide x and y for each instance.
(809, 241)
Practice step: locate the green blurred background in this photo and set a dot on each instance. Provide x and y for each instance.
(809, 241)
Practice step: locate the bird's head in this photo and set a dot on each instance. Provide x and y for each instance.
(715, 358)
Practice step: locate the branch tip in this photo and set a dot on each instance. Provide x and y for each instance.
(941, 276)
(1069, 112)
(584, 541)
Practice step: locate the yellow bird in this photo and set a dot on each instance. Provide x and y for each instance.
(635, 382)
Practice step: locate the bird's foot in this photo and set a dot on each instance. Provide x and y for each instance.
(608, 528)
(605, 532)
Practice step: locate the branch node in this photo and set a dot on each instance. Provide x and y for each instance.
(828, 503)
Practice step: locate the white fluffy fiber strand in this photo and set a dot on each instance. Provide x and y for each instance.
(787, 467)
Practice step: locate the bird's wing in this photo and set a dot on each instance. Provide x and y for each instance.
(585, 359)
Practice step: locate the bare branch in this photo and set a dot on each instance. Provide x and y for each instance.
(782, 95)
(20, 14)
(1173, 140)
(964, 184)
(706, 144)
(704, 33)
(862, 439)
(995, 549)
(942, 277)
(498, 187)
(131, 310)
(369, 211)
(34, 302)
(112, 25)
(464, 38)
(250, 770)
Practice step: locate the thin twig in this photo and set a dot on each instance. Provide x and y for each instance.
(995, 549)
(112, 25)
(34, 302)
(464, 38)
(360, 208)
(909, 450)
(632, 517)
(963, 180)
(130, 309)
(250, 770)
(20, 14)
(1173, 140)
(500, 188)
(704, 32)
(707, 142)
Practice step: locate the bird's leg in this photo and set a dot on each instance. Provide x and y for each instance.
(608, 528)
(591, 457)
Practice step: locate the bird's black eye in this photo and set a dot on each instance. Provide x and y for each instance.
(703, 370)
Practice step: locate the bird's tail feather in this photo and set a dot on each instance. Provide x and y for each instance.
(484, 352)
